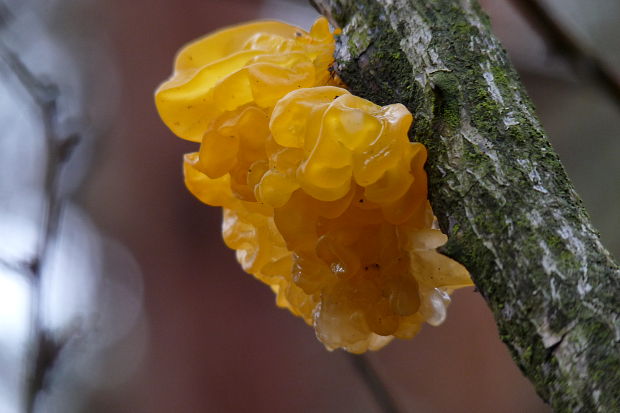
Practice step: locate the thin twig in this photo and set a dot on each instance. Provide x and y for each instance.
(563, 42)
(16, 267)
(46, 348)
(5, 15)
(374, 383)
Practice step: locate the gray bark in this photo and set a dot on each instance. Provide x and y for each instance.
(497, 187)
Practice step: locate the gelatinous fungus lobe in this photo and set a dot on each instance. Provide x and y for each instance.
(324, 197)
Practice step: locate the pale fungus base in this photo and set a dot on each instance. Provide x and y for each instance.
(324, 197)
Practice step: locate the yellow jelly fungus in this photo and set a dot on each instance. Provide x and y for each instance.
(324, 197)
(255, 64)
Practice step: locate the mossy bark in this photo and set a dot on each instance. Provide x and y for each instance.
(497, 188)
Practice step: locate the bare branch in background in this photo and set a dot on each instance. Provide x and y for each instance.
(583, 61)
(46, 347)
(373, 382)
(5, 15)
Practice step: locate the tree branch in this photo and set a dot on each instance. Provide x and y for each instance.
(497, 187)
(377, 388)
(582, 60)
(46, 347)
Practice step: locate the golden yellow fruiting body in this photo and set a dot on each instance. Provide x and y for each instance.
(324, 197)
(255, 64)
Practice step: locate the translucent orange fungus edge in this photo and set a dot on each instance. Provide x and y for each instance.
(324, 197)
